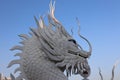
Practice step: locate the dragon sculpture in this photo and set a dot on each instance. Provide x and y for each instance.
(49, 52)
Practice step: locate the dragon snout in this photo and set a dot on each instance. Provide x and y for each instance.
(85, 71)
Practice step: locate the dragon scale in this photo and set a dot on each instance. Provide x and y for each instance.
(50, 51)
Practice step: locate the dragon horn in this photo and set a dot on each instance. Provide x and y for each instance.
(52, 10)
(90, 47)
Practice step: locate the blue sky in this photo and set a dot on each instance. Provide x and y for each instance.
(100, 24)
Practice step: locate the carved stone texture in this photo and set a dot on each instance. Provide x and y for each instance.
(50, 51)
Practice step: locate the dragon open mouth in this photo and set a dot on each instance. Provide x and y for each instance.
(85, 72)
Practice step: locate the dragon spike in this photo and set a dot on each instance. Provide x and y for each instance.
(32, 34)
(17, 69)
(18, 54)
(12, 77)
(24, 36)
(100, 74)
(35, 32)
(13, 62)
(17, 48)
(22, 42)
(41, 22)
(113, 69)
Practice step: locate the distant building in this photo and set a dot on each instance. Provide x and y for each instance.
(2, 77)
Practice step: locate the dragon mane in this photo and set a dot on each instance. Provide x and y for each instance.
(54, 44)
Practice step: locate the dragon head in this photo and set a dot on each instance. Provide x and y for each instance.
(60, 47)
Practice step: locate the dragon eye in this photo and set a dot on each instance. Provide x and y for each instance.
(72, 40)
